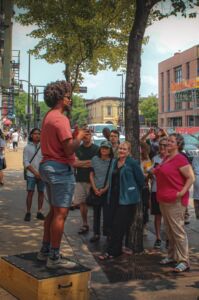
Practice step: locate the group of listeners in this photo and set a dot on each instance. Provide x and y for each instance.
(161, 181)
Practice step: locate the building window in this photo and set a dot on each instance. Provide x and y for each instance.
(162, 93)
(178, 105)
(187, 70)
(168, 90)
(176, 122)
(178, 74)
(109, 110)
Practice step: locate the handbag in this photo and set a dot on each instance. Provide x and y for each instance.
(94, 200)
(25, 170)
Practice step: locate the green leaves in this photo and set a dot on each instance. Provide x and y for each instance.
(149, 109)
(88, 36)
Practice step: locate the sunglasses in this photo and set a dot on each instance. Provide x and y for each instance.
(68, 97)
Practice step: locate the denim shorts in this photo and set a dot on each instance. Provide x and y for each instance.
(32, 182)
(60, 182)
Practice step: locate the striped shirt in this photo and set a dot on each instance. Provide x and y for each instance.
(100, 168)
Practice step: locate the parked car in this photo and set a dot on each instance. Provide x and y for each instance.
(98, 139)
(191, 147)
(196, 135)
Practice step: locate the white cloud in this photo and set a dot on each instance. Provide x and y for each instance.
(173, 34)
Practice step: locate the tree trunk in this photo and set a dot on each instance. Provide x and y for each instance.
(131, 105)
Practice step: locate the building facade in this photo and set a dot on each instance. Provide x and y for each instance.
(105, 110)
(178, 88)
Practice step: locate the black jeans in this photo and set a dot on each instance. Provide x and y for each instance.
(122, 221)
(97, 218)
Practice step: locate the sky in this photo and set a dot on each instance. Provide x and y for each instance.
(165, 38)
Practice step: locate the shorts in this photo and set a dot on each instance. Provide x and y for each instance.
(59, 181)
(15, 145)
(155, 208)
(82, 190)
(32, 182)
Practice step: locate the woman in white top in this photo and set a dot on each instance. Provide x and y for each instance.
(2, 157)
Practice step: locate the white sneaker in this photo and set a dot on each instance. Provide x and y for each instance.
(42, 256)
(61, 262)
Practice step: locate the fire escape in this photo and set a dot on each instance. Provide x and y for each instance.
(10, 93)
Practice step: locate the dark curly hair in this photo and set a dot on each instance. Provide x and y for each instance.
(55, 91)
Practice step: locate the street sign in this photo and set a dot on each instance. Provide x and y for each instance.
(81, 89)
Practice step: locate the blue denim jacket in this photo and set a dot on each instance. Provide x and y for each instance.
(131, 182)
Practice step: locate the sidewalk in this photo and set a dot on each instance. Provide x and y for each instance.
(137, 277)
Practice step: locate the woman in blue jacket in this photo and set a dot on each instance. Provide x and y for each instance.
(126, 182)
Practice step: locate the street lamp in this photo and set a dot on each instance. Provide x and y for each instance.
(122, 99)
(35, 106)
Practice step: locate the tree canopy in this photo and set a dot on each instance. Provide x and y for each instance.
(86, 38)
(149, 109)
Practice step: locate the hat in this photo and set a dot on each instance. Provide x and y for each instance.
(106, 144)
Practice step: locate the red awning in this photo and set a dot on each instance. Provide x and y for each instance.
(7, 122)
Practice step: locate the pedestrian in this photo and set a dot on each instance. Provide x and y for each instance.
(174, 178)
(100, 165)
(15, 140)
(31, 159)
(58, 147)
(125, 185)
(82, 165)
(155, 208)
(2, 156)
(146, 164)
(115, 141)
(195, 165)
(106, 133)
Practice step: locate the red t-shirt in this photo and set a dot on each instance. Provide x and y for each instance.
(55, 129)
(170, 180)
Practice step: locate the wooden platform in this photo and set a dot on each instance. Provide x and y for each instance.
(26, 278)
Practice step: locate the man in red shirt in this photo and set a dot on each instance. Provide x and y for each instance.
(58, 147)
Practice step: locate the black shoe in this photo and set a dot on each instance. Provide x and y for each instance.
(157, 244)
(27, 217)
(95, 238)
(40, 216)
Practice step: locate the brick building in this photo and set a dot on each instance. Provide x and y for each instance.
(179, 89)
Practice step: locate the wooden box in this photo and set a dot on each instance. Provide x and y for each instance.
(27, 279)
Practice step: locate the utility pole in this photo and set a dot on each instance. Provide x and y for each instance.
(28, 104)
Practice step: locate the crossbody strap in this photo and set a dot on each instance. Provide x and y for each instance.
(107, 173)
(34, 154)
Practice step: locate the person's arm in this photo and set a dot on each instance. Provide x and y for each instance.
(187, 172)
(33, 171)
(144, 137)
(139, 176)
(71, 145)
(96, 191)
(82, 163)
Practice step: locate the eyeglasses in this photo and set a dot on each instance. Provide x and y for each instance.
(163, 145)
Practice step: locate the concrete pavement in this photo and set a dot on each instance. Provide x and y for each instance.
(129, 277)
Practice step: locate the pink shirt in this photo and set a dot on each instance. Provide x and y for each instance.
(170, 180)
(55, 129)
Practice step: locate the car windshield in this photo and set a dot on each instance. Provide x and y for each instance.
(188, 139)
(99, 128)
